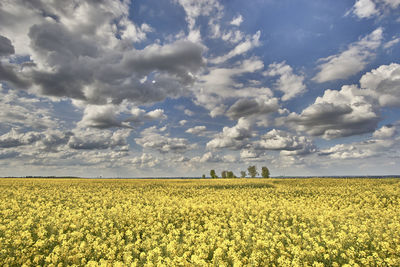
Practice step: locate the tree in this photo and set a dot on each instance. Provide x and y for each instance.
(223, 174)
(252, 171)
(264, 172)
(213, 174)
(204, 176)
(230, 174)
(242, 174)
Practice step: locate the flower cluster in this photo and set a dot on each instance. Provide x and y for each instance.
(238, 222)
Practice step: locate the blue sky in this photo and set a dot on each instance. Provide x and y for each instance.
(176, 88)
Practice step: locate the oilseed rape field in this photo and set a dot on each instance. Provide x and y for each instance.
(230, 222)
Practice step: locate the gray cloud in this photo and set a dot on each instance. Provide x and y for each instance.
(88, 139)
(337, 114)
(15, 139)
(247, 107)
(6, 47)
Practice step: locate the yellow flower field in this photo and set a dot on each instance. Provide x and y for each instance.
(238, 222)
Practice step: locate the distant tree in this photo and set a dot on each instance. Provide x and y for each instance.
(223, 174)
(242, 174)
(204, 176)
(213, 174)
(230, 174)
(264, 172)
(252, 171)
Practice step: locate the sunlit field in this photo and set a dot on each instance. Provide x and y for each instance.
(237, 222)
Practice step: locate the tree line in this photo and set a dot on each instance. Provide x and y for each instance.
(251, 172)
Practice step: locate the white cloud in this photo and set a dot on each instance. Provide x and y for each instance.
(365, 9)
(145, 161)
(351, 61)
(289, 83)
(232, 137)
(152, 138)
(240, 49)
(197, 130)
(391, 43)
(383, 84)
(285, 142)
(386, 131)
(182, 122)
(237, 20)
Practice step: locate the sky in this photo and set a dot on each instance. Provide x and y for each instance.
(169, 88)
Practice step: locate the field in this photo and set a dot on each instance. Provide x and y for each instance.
(241, 222)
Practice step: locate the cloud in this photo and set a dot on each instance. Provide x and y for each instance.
(102, 117)
(351, 61)
(22, 110)
(188, 112)
(243, 47)
(232, 137)
(383, 84)
(391, 43)
(6, 47)
(247, 107)
(15, 139)
(87, 139)
(285, 142)
(289, 83)
(385, 132)
(207, 157)
(236, 21)
(182, 122)
(365, 9)
(197, 130)
(151, 138)
(145, 161)
(139, 115)
(83, 51)
(359, 150)
(337, 114)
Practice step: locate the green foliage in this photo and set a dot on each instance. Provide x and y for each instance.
(252, 171)
(213, 174)
(242, 174)
(223, 174)
(230, 174)
(203, 176)
(264, 172)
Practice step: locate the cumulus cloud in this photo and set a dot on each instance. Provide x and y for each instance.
(232, 137)
(383, 83)
(337, 114)
(386, 131)
(15, 139)
(359, 150)
(140, 115)
(289, 83)
(365, 9)
(285, 142)
(145, 161)
(87, 139)
(76, 53)
(245, 107)
(197, 130)
(351, 61)
(102, 117)
(151, 138)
